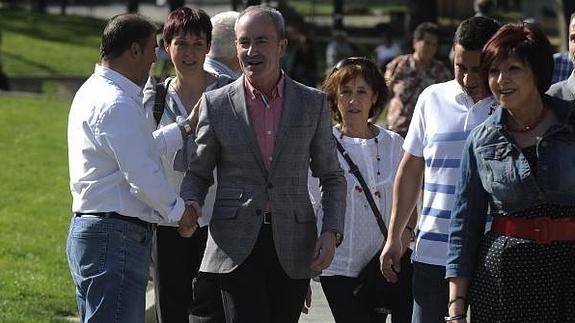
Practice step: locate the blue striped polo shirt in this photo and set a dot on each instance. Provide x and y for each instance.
(443, 118)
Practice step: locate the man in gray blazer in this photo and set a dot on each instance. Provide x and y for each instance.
(263, 133)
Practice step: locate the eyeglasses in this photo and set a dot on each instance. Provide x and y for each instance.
(363, 61)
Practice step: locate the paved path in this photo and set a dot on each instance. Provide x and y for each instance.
(151, 11)
(319, 311)
(159, 14)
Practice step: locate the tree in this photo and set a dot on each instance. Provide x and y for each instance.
(338, 14)
(39, 6)
(133, 6)
(63, 5)
(420, 11)
(175, 4)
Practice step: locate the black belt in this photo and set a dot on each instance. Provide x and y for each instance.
(117, 216)
(267, 217)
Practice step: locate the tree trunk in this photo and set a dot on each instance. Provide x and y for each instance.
(39, 6)
(338, 14)
(175, 4)
(133, 6)
(235, 5)
(247, 3)
(421, 11)
(63, 5)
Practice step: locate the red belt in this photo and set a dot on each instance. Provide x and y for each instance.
(541, 229)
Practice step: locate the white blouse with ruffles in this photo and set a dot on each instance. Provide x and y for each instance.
(362, 236)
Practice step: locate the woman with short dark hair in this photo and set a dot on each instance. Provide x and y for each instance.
(517, 167)
(186, 37)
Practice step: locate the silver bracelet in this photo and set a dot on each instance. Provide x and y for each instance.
(455, 317)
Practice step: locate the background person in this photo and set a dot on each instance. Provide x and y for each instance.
(563, 66)
(565, 88)
(222, 58)
(407, 76)
(187, 35)
(387, 50)
(338, 48)
(356, 95)
(519, 166)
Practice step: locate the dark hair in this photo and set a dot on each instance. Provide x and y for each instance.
(345, 71)
(528, 43)
(425, 28)
(186, 20)
(273, 14)
(473, 33)
(122, 31)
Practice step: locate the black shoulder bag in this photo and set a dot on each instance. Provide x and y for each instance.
(372, 288)
(160, 100)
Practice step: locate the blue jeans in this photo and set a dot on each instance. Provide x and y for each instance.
(109, 261)
(430, 293)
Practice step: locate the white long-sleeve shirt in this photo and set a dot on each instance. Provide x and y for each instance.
(362, 236)
(114, 160)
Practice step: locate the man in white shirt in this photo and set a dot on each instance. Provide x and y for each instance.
(444, 115)
(116, 178)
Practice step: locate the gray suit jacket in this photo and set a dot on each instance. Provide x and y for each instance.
(226, 140)
(565, 89)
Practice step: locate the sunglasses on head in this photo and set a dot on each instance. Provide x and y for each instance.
(363, 61)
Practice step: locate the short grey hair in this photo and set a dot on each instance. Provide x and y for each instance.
(223, 35)
(274, 14)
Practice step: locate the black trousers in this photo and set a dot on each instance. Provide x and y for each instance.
(346, 307)
(259, 291)
(207, 304)
(176, 262)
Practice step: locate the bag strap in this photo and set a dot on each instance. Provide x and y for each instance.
(355, 171)
(160, 100)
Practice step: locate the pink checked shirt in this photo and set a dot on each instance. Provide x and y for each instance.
(265, 116)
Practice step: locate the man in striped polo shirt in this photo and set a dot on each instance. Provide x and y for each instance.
(444, 115)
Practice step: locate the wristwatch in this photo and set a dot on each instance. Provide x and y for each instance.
(183, 123)
(338, 238)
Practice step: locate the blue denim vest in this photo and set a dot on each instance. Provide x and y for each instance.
(496, 175)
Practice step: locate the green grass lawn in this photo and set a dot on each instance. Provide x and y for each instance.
(40, 45)
(35, 284)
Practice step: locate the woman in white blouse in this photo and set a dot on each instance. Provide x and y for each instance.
(356, 94)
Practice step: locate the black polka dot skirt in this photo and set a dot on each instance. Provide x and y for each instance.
(518, 280)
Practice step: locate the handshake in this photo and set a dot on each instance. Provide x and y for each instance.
(189, 221)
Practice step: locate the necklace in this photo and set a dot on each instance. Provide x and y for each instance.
(358, 188)
(532, 125)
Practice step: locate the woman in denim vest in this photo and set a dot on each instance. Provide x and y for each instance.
(519, 167)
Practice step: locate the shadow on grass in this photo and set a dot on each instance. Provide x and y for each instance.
(30, 62)
(70, 29)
